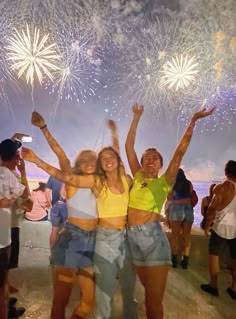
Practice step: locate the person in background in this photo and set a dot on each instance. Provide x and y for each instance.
(221, 220)
(41, 204)
(10, 187)
(205, 204)
(58, 217)
(180, 219)
(53, 189)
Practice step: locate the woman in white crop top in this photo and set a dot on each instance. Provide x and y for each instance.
(112, 257)
(72, 254)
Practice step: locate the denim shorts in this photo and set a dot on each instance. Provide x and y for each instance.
(149, 245)
(74, 248)
(217, 245)
(181, 213)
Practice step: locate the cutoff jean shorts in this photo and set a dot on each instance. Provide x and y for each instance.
(112, 262)
(181, 213)
(74, 248)
(149, 245)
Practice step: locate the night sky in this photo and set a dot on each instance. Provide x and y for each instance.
(119, 48)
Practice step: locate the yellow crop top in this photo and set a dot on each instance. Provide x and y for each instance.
(113, 205)
(148, 194)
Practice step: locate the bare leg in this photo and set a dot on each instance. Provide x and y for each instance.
(62, 283)
(213, 269)
(154, 280)
(87, 293)
(4, 295)
(175, 236)
(233, 286)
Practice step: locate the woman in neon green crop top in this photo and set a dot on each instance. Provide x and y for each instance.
(149, 245)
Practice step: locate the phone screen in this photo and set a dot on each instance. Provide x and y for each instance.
(27, 139)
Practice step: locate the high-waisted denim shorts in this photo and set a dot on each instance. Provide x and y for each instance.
(181, 213)
(149, 245)
(74, 248)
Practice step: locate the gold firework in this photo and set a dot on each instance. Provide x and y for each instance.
(180, 72)
(31, 56)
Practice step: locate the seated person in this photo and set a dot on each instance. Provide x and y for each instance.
(41, 205)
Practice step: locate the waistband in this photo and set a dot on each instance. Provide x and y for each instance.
(77, 228)
(143, 226)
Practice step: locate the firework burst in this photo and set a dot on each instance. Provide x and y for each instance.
(180, 72)
(30, 55)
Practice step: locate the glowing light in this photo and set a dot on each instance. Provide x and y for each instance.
(30, 55)
(180, 72)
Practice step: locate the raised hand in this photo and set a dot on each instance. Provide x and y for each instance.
(137, 110)
(37, 120)
(18, 136)
(28, 155)
(111, 125)
(203, 113)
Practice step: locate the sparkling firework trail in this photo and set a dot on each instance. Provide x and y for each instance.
(180, 72)
(31, 55)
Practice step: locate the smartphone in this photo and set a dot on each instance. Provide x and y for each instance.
(27, 139)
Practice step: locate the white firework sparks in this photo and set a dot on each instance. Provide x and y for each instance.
(31, 55)
(180, 72)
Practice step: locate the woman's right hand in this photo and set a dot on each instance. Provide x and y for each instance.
(203, 113)
(37, 120)
(137, 110)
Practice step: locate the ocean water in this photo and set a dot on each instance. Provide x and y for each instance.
(202, 189)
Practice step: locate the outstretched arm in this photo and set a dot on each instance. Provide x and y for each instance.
(38, 120)
(115, 141)
(130, 140)
(86, 181)
(182, 147)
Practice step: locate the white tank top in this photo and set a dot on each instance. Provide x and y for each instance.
(225, 220)
(82, 205)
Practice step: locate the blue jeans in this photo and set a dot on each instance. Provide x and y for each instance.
(112, 260)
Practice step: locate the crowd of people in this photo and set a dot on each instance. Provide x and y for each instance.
(106, 226)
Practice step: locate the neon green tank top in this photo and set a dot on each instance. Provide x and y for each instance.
(148, 194)
(113, 205)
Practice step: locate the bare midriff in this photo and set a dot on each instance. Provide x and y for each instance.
(86, 224)
(113, 222)
(139, 217)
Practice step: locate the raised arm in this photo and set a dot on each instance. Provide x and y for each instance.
(86, 181)
(115, 141)
(38, 120)
(182, 147)
(130, 140)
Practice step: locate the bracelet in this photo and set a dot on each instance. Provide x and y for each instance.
(43, 127)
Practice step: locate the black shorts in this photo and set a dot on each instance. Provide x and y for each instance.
(4, 261)
(217, 245)
(15, 248)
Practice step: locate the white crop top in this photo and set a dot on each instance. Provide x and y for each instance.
(82, 205)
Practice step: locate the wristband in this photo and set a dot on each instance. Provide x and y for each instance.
(43, 127)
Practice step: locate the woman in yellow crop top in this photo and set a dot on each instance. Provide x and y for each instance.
(149, 246)
(112, 257)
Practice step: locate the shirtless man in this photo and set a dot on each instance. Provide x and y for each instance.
(222, 213)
